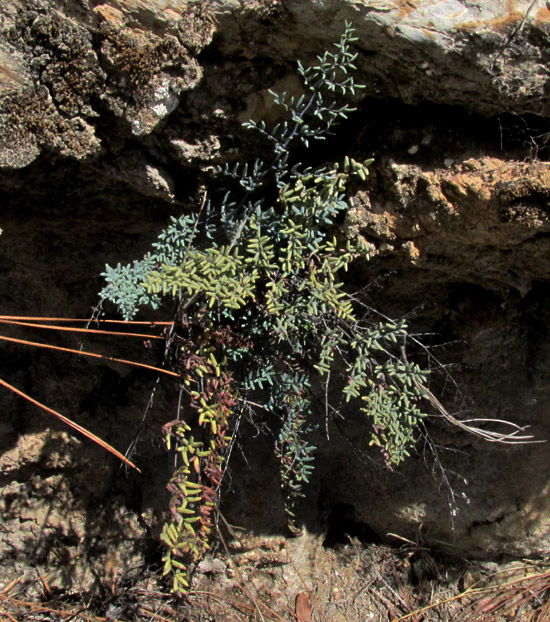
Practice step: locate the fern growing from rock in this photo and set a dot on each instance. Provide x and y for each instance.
(263, 315)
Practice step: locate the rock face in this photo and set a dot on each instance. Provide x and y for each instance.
(483, 219)
(488, 57)
(111, 117)
(65, 70)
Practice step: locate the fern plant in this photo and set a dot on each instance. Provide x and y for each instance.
(263, 316)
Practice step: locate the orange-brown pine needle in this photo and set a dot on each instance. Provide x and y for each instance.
(26, 318)
(72, 424)
(73, 329)
(8, 615)
(71, 614)
(47, 346)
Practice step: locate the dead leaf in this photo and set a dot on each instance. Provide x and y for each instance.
(303, 608)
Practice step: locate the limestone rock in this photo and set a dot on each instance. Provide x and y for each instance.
(134, 59)
(147, 179)
(483, 56)
(483, 221)
(64, 71)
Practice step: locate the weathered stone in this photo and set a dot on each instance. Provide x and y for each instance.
(479, 55)
(463, 52)
(151, 73)
(195, 152)
(484, 221)
(147, 179)
(56, 84)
